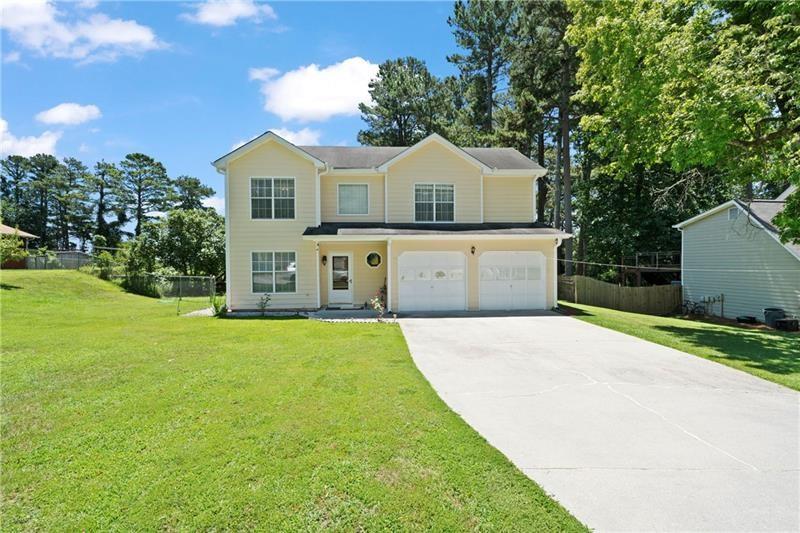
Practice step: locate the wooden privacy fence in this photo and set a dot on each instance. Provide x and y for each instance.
(655, 300)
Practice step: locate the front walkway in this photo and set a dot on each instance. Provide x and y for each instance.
(626, 434)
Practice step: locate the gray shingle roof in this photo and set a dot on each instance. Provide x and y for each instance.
(765, 212)
(377, 228)
(373, 156)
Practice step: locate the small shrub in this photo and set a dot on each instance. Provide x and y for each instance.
(218, 306)
(378, 303)
(263, 303)
(105, 265)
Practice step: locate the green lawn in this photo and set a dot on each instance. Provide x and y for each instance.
(767, 354)
(119, 415)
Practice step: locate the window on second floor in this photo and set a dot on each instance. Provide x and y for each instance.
(272, 198)
(434, 202)
(353, 199)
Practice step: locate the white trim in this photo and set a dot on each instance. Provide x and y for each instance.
(272, 188)
(265, 137)
(414, 203)
(705, 214)
(273, 252)
(438, 237)
(354, 172)
(386, 197)
(555, 272)
(318, 199)
(749, 216)
(389, 275)
(228, 245)
(351, 283)
(433, 137)
(319, 296)
(338, 210)
(516, 172)
(373, 252)
(535, 187)
(454, 197)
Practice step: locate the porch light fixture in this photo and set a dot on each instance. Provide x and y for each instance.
(324, 259)
(472, 250)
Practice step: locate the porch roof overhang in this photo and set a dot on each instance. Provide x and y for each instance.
(431, 231)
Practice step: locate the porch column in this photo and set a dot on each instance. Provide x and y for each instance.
(389, 275)
(316, 271)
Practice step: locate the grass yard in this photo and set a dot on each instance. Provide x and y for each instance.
(770, 355)
(119, 415)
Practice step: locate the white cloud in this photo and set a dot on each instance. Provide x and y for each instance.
(227, 12)
(39, 26)
(12, 57)
(216, 202)
(311, 93)
(69, 113)
(84, 148)
(305, 136)
(27, 146)
(87, 4)
(242, 142)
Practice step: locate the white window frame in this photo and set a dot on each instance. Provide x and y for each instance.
(272, 198)
(733, 213)
(273, 252)
(338, 208)
(366, 255)
(414, 202)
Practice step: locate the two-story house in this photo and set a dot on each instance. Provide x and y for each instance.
(437, 226)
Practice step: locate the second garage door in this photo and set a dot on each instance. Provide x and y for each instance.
(512, 280)
(432, 281)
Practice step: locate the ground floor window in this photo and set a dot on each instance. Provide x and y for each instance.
(274, 272)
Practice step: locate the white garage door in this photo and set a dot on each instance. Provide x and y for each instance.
(512, 280)
(432, 281)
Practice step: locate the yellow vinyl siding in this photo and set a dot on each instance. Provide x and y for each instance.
(434, 163)
(508, 199)
(271, 159)
(366, 280)
(329, 195)
(547, 247)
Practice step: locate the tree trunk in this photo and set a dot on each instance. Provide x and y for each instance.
(557, 180)
(541, 200)
(567, 178)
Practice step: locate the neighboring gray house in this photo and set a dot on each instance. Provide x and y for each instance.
(734, 250)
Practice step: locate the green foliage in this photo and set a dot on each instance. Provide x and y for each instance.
(190, 193)
(144, 188)
(263, 303)
(105, 263)
(692, 85)
(409, 103)
(189, 242)
(12, 248)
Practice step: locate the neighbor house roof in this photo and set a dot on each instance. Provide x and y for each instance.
(8, 230)
(763, 212)
(446, 229)
(372, 157)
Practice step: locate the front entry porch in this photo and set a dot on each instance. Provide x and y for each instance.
(351, 273)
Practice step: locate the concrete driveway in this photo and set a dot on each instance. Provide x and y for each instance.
(626, 434)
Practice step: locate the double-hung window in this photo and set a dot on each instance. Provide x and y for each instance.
(272, 198)
(434, 202)
(274, 272)
(353, 199)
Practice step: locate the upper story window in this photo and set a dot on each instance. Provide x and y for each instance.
(272, 198)
(434, 202)
(733, 213)
(353, 199)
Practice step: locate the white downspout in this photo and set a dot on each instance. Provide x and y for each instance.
(319, 297)
(482, 215)
(386, 197)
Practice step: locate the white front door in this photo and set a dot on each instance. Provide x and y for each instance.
(512, 280)
(340, 279)
(432, 281)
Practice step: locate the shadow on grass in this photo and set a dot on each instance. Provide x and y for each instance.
(566, 309)
(778, 353)
(8, 287)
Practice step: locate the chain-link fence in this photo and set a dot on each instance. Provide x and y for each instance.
(171, 288)
(58, 260)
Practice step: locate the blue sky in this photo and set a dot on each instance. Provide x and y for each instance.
(185, 82)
